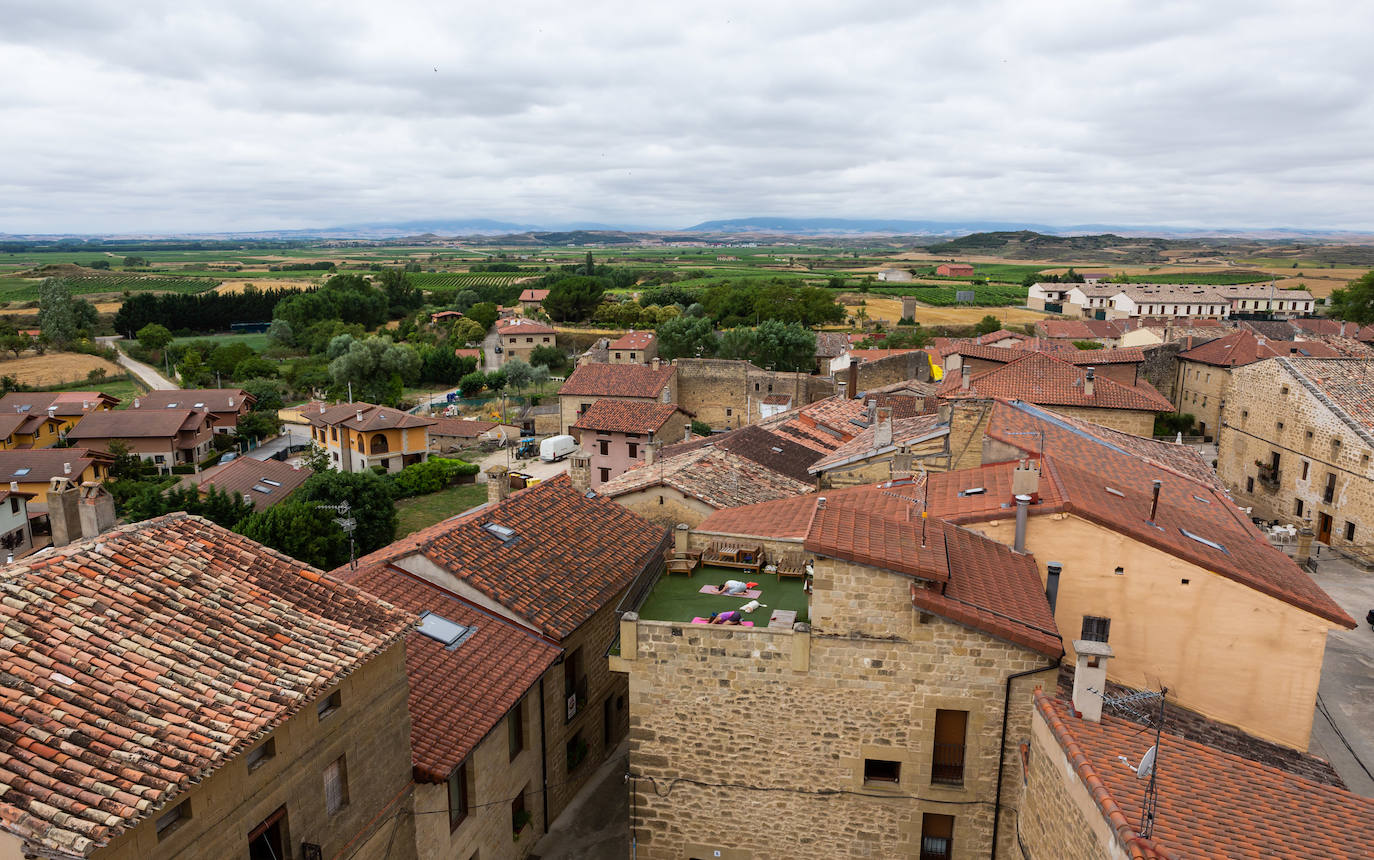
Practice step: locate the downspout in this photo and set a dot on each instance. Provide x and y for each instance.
(544, 752)
(1002, 746)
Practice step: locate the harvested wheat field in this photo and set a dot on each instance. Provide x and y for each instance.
(100, 307)
(264, 284)
(56, 368)
(890, 311)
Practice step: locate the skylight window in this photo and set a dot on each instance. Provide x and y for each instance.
(1115, 492)
(19, 473)
(259, 488)
(448, 633)
(198, 405)
(1204, 541)
(269, 482)
(505, 533)
(171, 405)
(973, 491)
(1204, 501)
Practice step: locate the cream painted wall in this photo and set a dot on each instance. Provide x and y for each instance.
(1223, 649)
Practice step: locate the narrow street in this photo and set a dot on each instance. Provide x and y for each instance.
(489, 345)
(148, 374)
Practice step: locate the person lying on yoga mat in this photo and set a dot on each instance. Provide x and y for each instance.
(734, 586)
(730, 617)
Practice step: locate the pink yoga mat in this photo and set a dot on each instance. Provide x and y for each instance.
(750, 594)
(708, 621)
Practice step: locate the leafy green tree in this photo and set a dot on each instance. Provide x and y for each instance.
(154, 336)
(472, 384)
(518, 373)
(574, 299)
(466, 299)
(258, 425)
(550, 357)
(736, 343)
(316, 459)
(279, 332)
(300, 530)
(484, 314)
(784, 346)
(63, 318)
(225, 357)
(376, 367)
(132, 262)
(192, 369)
(1355, 301)
(467, 331)
(684, 337)
(100, 264)
(369, 496)
(401, 295)
(988, 325)
(253, 367)
(266, 393)
(700, 428)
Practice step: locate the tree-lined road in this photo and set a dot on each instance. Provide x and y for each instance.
(145, 372)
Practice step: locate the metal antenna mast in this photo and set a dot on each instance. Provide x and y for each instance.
(348, 524)
(1150, 762)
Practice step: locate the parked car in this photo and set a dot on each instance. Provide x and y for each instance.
(555, 448)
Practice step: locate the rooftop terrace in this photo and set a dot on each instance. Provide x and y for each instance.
(677, 597)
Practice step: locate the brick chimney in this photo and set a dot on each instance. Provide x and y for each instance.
(656, 362)
(854, 376)
(498, 484)
(1090, 678)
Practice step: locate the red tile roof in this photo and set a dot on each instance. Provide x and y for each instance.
(457, 695)
(1073, 355)
(618, 380)
(522, 325)
(138, 424)
(634, 340)
(628, 416)
(43, 464)
(1210, 803)
(905, 431)
(571, 553)
(1050, 381)
(1346, 384)
(831, 344)
(703, 471)
(1115, 493)
(372, 417)
(140, 662)
(468, 353)
(973, 580)
(66, 403)
(262, 482)
(1244, 347)
(534, 295)
(213, 399)
(1033, 430)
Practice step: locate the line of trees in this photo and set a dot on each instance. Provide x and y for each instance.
(191, 313)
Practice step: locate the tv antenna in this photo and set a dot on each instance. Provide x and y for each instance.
(1149, 763)
(1040, 433)
(348, 524)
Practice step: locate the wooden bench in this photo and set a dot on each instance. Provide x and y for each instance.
(741, 556)
(791, 564)
(685, 565)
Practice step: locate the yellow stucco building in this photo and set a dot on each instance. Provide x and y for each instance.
(360, 436)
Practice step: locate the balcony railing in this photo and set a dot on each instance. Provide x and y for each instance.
(948, 766)
(1268, 476)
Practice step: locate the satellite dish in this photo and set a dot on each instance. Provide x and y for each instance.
(1147, 764)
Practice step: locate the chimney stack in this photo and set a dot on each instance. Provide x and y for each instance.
(580, 471)
(687, 432)
(359, 413)
(1154, 497)
(820, 503)
(650, 453)
(52, 411)
(854, 377)
(498, 484)
(964, 373)
(231, 402)
(1090, 678)
(66, 468)
(680, 534)
(882, 427)
(1088, 385)
(1305, 534)
(1052, 571)
(1025, 479)
(136, 403)
(1022, 508)
(840, 388)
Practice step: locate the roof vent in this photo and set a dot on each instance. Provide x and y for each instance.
(360, 416)
(448, 633)
(66, 468)
(973, 491)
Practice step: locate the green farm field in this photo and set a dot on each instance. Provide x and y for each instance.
(256, 341)
(26, 289)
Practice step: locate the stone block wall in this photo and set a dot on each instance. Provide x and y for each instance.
(1160, 367)
(894, 368)
(1058, 817)
(755, 740)
(1200, 391)
(665, 506)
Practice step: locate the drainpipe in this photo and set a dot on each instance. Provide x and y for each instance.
(1002, 746)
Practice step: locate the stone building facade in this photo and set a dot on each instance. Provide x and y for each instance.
(727, 393)
(1296, 447)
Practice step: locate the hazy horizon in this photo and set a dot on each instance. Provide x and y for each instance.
(161, 118)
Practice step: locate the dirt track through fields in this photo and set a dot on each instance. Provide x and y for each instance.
(56, 368)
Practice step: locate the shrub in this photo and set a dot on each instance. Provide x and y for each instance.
(429, 477)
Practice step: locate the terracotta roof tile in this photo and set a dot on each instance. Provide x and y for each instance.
(634, 340)
(905, 431)
(534, 295)
(831, 344)
(1050, 381)
(628, 416)
(522, 325)
(1210, 803)
(213, 399)
(1347, 384)
(43, 464)
(570, 553)
(262, 482)
(138, 663)
(138, 424)
(1243, 347)
(373, 417)
(64, 403)
(618, 380)
(457, 695)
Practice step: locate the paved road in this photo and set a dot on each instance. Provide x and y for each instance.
(536, 467)
(145, 372)
(1343, 727)
(489, 345)
(596, 824)
(294, 435)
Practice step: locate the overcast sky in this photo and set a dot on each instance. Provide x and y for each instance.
(185, 116)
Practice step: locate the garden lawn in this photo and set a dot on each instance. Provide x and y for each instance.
(677, 597)
(256, 341)
(419, 512)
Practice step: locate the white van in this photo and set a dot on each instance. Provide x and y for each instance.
(555, 448)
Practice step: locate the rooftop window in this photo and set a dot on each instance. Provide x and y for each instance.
(1204, 541)
(973, 491)
(447, 633)
(19, 473)
(259, 488)
(1115, 492)
(269, 482)
(505, 533)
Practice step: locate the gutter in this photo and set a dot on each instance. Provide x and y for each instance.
(1002, 747)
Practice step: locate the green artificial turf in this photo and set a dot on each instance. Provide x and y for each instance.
(676, 597)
